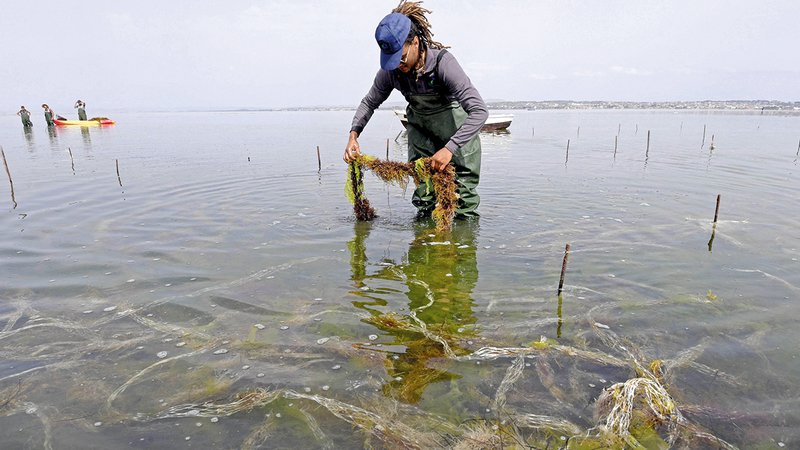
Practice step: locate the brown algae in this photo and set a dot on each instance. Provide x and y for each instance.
(442, 183)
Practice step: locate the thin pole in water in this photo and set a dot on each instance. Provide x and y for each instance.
(579, 131)
(118, 177)
(319, 160)
(704, 137)
(387, 149)
(714, 228)
(648, 141)
(616, 143)
(798, 148)
(563, 270)
(712, 143)
(567, 152)
(9, 177)
(71, 159)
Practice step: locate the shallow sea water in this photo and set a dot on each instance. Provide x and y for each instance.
(194, 279)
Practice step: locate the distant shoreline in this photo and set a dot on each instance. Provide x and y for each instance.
(726, 105)
(764, 105)
(792, 108)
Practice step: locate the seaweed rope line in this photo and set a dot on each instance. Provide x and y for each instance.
(442, 184)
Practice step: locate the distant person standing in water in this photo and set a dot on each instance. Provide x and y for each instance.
(48, 115)
(445, 112)
(25, 115)
(81, 110)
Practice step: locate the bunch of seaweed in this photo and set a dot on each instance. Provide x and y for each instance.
(441, 183)
(354, 190)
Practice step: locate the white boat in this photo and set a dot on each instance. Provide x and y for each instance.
(494, 122)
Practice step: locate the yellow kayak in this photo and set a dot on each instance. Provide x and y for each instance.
(85, 123)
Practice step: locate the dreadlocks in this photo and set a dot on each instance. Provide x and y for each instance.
(420, 27)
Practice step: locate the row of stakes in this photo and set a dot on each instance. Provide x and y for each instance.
(566, 250)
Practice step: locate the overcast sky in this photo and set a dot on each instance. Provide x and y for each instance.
(198, 54)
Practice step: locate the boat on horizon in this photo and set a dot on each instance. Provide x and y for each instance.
(493, 123)
(94, 121)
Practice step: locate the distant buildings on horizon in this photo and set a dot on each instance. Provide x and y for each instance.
(752, 105)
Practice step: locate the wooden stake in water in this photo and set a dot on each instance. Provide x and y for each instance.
(712, 143)
(71, 159)
(798, 149)
(704, 137)
(579, 131)
(714, 229)
(533, 133)
(616, 143)
(387, 149)
(648, 140)
(9, 177)
(118, 177)
(567, 160)
(563, 270)
(319, 160)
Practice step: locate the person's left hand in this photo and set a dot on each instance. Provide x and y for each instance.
(441, 159)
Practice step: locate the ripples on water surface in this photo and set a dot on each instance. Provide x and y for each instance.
(219, 293)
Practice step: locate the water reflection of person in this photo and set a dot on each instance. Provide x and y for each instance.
(52, 132)
(87, 138)
(29, 138)
(440, 274)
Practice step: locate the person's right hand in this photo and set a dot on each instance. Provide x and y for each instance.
(352, 150)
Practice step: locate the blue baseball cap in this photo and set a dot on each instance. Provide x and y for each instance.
(391, 35)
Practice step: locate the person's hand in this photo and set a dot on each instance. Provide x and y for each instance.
(352, 150)
(441, 159)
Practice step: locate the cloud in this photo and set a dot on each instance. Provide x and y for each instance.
(588, 74)
(542, 76)
(630, 71)
(479, 70)
(682, 70)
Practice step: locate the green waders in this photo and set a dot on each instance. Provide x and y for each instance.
(48, 116)
(432, 121)
(26, 119)
(81, 113)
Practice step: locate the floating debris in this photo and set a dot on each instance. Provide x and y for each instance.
(221, 351)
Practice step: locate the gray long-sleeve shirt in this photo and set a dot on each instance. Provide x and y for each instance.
(457, 85)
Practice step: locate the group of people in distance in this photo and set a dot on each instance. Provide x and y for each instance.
(25, 115)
